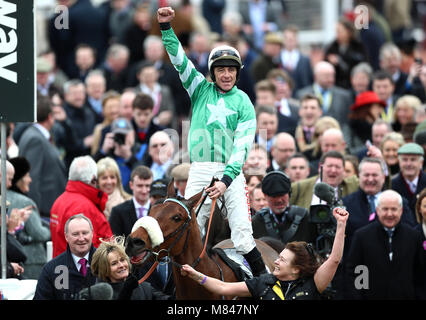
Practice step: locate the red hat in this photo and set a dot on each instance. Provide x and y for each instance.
(366, 98)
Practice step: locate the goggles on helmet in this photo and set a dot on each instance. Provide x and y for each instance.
(225, 52)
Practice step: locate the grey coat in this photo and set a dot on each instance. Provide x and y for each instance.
(35, 233)
(48, 171)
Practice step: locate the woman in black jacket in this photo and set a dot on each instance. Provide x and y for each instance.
(345, 52)
(111, 264)
(297, 275)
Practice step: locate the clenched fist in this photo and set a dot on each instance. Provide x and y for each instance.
(340, 214)
(165, 14)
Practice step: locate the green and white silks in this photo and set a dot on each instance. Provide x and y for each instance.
(223, 125)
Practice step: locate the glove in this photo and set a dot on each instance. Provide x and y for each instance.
(129, 285)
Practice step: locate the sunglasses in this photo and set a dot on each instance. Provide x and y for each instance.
(310, 250)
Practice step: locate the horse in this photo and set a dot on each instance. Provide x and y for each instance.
(182, 242)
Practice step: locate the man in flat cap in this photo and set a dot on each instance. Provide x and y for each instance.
(180, 175)
(411, 180)
(280, 220)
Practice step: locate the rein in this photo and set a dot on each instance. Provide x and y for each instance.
(182, 228)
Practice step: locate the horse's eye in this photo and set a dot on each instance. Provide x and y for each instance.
(176, 218)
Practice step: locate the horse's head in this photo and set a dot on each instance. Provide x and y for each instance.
(164, 228)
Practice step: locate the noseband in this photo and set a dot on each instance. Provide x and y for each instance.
(179, 232)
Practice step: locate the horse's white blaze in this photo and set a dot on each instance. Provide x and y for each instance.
(152, 227)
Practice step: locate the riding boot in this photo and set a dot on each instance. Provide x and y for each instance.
(255, 261)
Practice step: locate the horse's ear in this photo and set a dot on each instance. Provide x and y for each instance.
(191, 202)
(171, 191)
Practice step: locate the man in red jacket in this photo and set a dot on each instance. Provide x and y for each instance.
(80, 196)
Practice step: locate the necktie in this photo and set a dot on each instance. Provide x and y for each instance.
(142, 136)
(413, 187)
(83, 269)
(141, 211)
(371, 202)
(390, 235)
(308, 134)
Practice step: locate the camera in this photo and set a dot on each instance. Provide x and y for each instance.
(120, 138)
(320, 213)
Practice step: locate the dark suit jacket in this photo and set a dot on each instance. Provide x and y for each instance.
(401, 84)
(48, 172)
(421, 285)
(122, 218)
(387, 279)
(399, 185)
(289, 123)
(302, 75)
(47, 285)
(340, 103)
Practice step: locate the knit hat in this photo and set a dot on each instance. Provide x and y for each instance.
(22, 167)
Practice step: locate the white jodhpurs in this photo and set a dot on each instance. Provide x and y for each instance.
(236, 203)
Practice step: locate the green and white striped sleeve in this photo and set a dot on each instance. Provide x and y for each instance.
(188, 74)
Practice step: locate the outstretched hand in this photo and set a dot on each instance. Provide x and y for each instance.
(165, 14)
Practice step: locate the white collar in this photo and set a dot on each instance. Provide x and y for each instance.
(138, 205)
(275, 165)
(43, 130)
(147, 90)
(413, 182)
(77, 259)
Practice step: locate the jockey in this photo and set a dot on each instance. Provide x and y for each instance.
(221, 134)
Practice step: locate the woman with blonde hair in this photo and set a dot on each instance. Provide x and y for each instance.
(323, 123)
(110, 112)
(111, 264)
(405, 111)
(389, 146)
(109, 181)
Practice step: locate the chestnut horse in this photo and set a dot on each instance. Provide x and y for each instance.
(182, 242)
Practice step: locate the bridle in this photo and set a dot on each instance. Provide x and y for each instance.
(180, 232)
